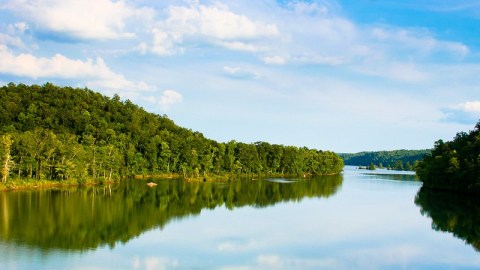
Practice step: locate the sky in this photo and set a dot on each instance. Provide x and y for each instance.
(339, 75)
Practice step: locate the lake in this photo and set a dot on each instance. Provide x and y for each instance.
(358, 220)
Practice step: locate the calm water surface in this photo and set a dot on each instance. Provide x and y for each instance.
(359, 220)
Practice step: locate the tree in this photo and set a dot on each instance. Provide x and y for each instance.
(5, 146)
(386, 159)
(247, 155)
(65, 133)
(453, 165)
(398, 165)
(230, 156)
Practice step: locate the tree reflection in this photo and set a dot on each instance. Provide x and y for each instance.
(392, 176)
(89, 217)
(457, 214)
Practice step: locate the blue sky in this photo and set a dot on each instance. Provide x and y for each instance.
(339, 75)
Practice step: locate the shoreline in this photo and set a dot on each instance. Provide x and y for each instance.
(33, 184)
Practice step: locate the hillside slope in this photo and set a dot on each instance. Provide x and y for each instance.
(61, 133)
(396, 159)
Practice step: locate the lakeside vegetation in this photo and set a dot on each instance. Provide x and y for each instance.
(64, 134)
(453, 165)
(401, 160)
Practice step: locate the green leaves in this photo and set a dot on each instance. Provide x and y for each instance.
(454, 165)
(76, 133)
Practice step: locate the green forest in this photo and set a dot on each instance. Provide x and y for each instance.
(57, 133)
(453, 165)
(402, 160)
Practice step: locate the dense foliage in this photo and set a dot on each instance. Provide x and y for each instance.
(61, 133)
(454, 165)
(396, 159)
(454, 213)
(88, 217)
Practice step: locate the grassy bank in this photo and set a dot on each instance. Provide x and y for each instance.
(22, 184)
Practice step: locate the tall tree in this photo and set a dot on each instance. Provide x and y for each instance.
(6, 143)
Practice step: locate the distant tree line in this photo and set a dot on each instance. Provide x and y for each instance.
(403, 160)
(60, 133)
(454, 165)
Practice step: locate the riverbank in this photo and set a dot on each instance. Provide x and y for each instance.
(25, 184)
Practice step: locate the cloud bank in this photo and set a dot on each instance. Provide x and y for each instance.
(80, 19)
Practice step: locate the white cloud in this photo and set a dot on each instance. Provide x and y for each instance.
(217, 22)
(240, 73)
(316, 34)
(97, 73)
(270, 261)
(169, 98)
(214, 24)
(242, 46)
(10, 40)
(385, 256)
(399, 71)
(319, 60)
(310, 34)
(160, 263)
(234, 247)
(274, 60)
(469, 106)
(315, 59)
(418, 41)
(142, 48)
(308, 8)
(154, 263)
(17, 28)
(11, 35)
(463, 113)
(82, 19)
(21, 26)
(274, 261)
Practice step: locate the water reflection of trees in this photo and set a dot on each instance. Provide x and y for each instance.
(452, 213)
(398, 177)
(86, 218)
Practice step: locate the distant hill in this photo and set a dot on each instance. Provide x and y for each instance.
(396, 159)
(61, 133)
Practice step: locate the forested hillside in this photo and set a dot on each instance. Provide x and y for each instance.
(396, 159)
(60, 133)
(454, 165)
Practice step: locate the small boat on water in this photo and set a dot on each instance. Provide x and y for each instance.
(151, 184)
